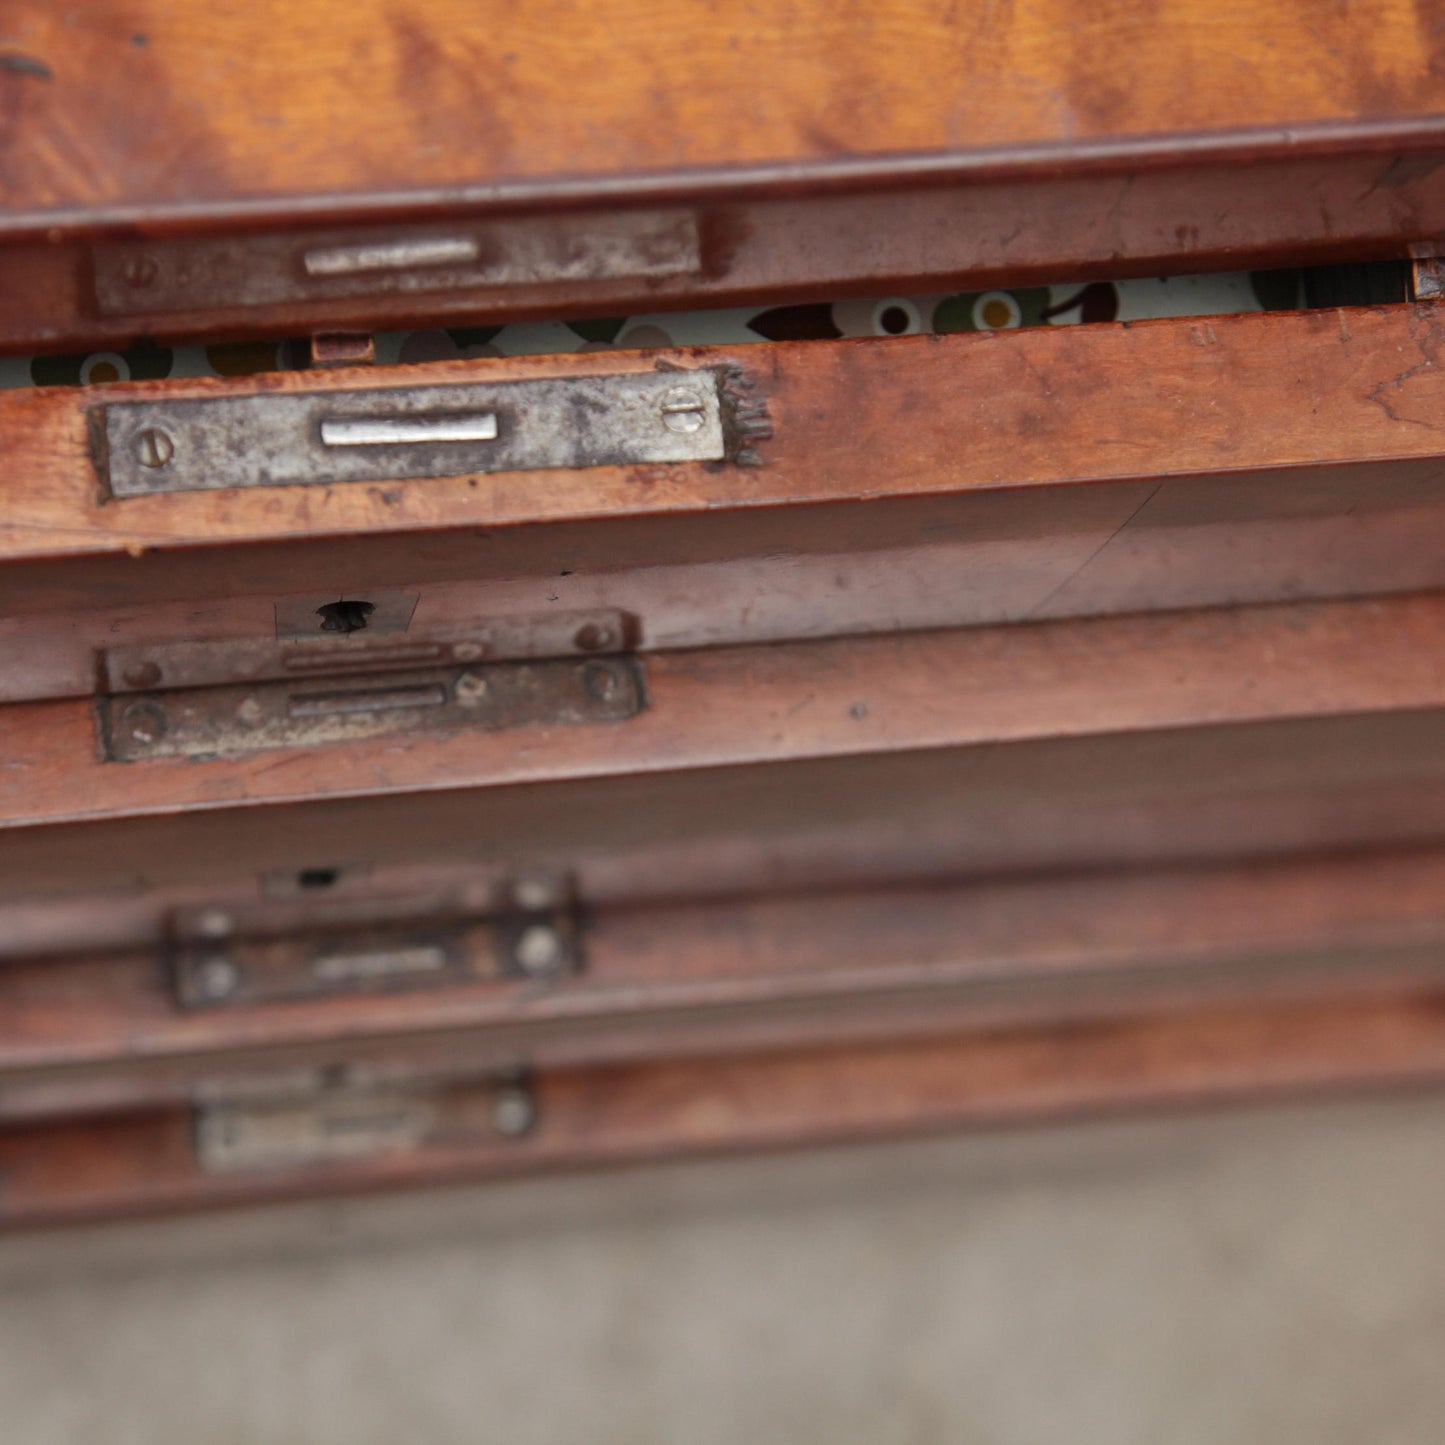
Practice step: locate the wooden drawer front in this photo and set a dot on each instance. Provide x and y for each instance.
(549, 160)
(864, 486)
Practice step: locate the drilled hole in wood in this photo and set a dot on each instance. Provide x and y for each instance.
(345, 616)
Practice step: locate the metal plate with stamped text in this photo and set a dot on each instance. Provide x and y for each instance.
(395, 433)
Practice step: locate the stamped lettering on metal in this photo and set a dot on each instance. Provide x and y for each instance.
(395, 433)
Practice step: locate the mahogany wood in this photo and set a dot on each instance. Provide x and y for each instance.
(105, 1031)
(146, 1162)
(889, 146)
(910, 483)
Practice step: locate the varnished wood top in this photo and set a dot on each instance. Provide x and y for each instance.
(112, 110)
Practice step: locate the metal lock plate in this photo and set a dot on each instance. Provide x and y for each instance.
(315, 438)
(240, 1137)
(214, 721)
(342, 1126)
(378, 649)
(269, 952)
(135, 277)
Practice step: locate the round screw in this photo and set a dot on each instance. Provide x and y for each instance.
(214, 923)
(139, 271)
(539, 950)
(144, 722)
(249, 710)
(602, 680)
(469, 651)
(535, 892)
(471, 687)
(513, 1112)
(143, 674)
(217, 977)
(595, 637)
(153, 447)
(682, 410)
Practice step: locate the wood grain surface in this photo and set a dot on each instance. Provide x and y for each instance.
(695, 978)
(788, 703)
(909, 483)
(117, 105)
(819, 149)
(146, 1162)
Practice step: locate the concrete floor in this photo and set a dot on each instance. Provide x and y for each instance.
(1269, 1277)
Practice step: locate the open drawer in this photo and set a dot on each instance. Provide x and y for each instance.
(717, 496)
(168, 168)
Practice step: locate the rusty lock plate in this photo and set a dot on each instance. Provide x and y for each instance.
(246, 660)
(333, 1127)
(177, 275)
(225, 958)
(214, 721)
(280, 439)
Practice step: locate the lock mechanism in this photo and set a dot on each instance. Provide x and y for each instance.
(276, 951)
(312, 438)
(211, 699)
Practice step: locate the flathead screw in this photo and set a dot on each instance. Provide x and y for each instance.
(217, 978)
(153, 447)
(682, 410)
(214, 923)
(602, 680)
(594, 637)
(539, 950)
(144, 722)
(535, 892)
(514, 1112)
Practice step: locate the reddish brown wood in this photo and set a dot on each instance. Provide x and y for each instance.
(1242, 790)
(1148, 139)
(146, 1162)
(788, 703)
(105, 1032)
(923, 483)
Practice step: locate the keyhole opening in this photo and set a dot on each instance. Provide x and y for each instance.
(345, 616)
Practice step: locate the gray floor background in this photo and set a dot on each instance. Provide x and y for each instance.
(1250, 1277)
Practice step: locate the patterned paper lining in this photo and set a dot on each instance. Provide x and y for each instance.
(1211, 295)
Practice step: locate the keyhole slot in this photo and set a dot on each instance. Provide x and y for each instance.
(345, 617)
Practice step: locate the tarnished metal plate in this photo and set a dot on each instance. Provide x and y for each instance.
(394, 433)
(333, 1125)
(597, 632)
(211, 973)
(244, 1136)
(134, 277)
(211, 721)
(236, 971)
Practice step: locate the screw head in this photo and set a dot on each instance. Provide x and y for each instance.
(595, 637)
(215, 923)
(602, 680)
(682, 410)
(470, 687)
(217, 977)
(539, 950)
(153, 447)
(514, 1112)
(143, 674)
(144, 722)
(249, 710)
(536, 891)
(469, 651)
